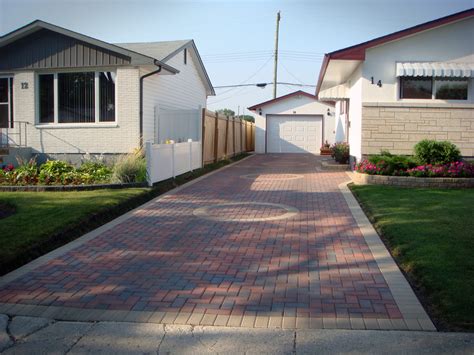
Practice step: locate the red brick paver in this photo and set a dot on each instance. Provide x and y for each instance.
(164, 258)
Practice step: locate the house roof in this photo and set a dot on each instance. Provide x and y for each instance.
(357, 52)
(281, 98)
(137, 58)
(165, 50)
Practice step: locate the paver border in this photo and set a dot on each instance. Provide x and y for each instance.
(414, 315)
(5, 279)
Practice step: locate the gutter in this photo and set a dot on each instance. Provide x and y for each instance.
(142, 78)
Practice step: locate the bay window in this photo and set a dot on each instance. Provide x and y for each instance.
(76, 97)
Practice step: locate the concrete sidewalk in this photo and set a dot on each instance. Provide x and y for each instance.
(28, 335)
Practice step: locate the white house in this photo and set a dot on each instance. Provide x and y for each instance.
(293, 123)
(64, 93)
(395, 90)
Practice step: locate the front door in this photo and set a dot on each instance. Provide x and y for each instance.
(6, 102)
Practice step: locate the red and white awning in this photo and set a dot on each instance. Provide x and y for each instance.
(440, 69)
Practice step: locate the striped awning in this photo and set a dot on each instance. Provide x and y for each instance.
(338, 92)
(442, 69)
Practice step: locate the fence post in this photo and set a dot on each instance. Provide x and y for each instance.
(226, 136)
(172, 159)
(233, 134)
(203, 134)
(149, 163)
(216, 137)
(190, 142)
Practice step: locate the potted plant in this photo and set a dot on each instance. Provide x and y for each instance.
(326, 149)
(340, 152)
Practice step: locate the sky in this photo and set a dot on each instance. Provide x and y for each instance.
(236, 38)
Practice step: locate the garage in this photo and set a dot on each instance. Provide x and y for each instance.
(293, 123)
(294, 133)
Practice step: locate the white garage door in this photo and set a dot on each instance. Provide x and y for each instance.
(294, 134)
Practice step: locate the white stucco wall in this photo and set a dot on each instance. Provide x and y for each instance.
(355, 112)
(340, 124)
(185, 90)
(293, 105)
(117, 137)
(450, 43)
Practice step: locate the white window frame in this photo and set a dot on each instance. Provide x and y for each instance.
(56, 123)
(11, 108)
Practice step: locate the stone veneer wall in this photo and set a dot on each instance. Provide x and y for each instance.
(398, 127)
(410, 181)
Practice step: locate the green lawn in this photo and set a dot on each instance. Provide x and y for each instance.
(431, 235)
(41, 215)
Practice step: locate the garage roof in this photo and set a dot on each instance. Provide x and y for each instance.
(284, 97)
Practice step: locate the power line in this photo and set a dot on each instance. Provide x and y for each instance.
(262, 85)
(250, 77)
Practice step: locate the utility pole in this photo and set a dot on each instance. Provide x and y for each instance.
(275, 69)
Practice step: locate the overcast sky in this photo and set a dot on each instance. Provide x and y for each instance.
(236, 38)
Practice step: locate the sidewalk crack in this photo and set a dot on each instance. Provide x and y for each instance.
(162, 339)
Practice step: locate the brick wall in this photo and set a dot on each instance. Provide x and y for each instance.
(398, 129)
(119, 137)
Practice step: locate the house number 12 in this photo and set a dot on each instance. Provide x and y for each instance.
(24, 86)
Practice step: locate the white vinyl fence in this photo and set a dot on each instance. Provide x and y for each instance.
(166, 161)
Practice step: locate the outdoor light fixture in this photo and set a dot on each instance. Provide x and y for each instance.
(260, 111)
(329, 112)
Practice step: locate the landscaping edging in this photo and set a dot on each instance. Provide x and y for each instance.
(410, 181)
(41, 188)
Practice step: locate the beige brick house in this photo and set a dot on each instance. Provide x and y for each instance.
(395, 90)
(66, 94)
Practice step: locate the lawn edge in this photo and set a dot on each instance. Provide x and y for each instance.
(91, 227)
(408, 303)
(436, 316)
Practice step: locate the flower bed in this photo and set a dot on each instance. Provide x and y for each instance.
(435, 164)
(128, 171)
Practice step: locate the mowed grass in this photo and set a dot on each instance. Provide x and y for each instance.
(431, 234)
(41, 215)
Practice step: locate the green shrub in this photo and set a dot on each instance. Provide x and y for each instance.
(55, 172)
(436, 152)
(340, 152)
(25, 174)
(389, 164)
(93, 172)
(130, 168)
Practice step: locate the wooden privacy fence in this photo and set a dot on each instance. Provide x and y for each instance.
(225, 136)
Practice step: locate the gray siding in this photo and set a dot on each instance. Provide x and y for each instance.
(45, 49)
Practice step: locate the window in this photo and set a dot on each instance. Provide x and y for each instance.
(415, 88)
(433, 88)
(76, 94)
(83, 97)
(107, 97)
(46, 98)
(6, 102)
(451, 89)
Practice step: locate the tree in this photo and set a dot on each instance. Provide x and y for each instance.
(247, 118)
(226, 112)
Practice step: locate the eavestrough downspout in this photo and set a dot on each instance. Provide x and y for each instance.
(141, 99)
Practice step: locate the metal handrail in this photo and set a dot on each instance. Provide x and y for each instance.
(21, 132)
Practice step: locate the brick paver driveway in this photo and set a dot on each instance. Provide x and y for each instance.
(267, 242)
